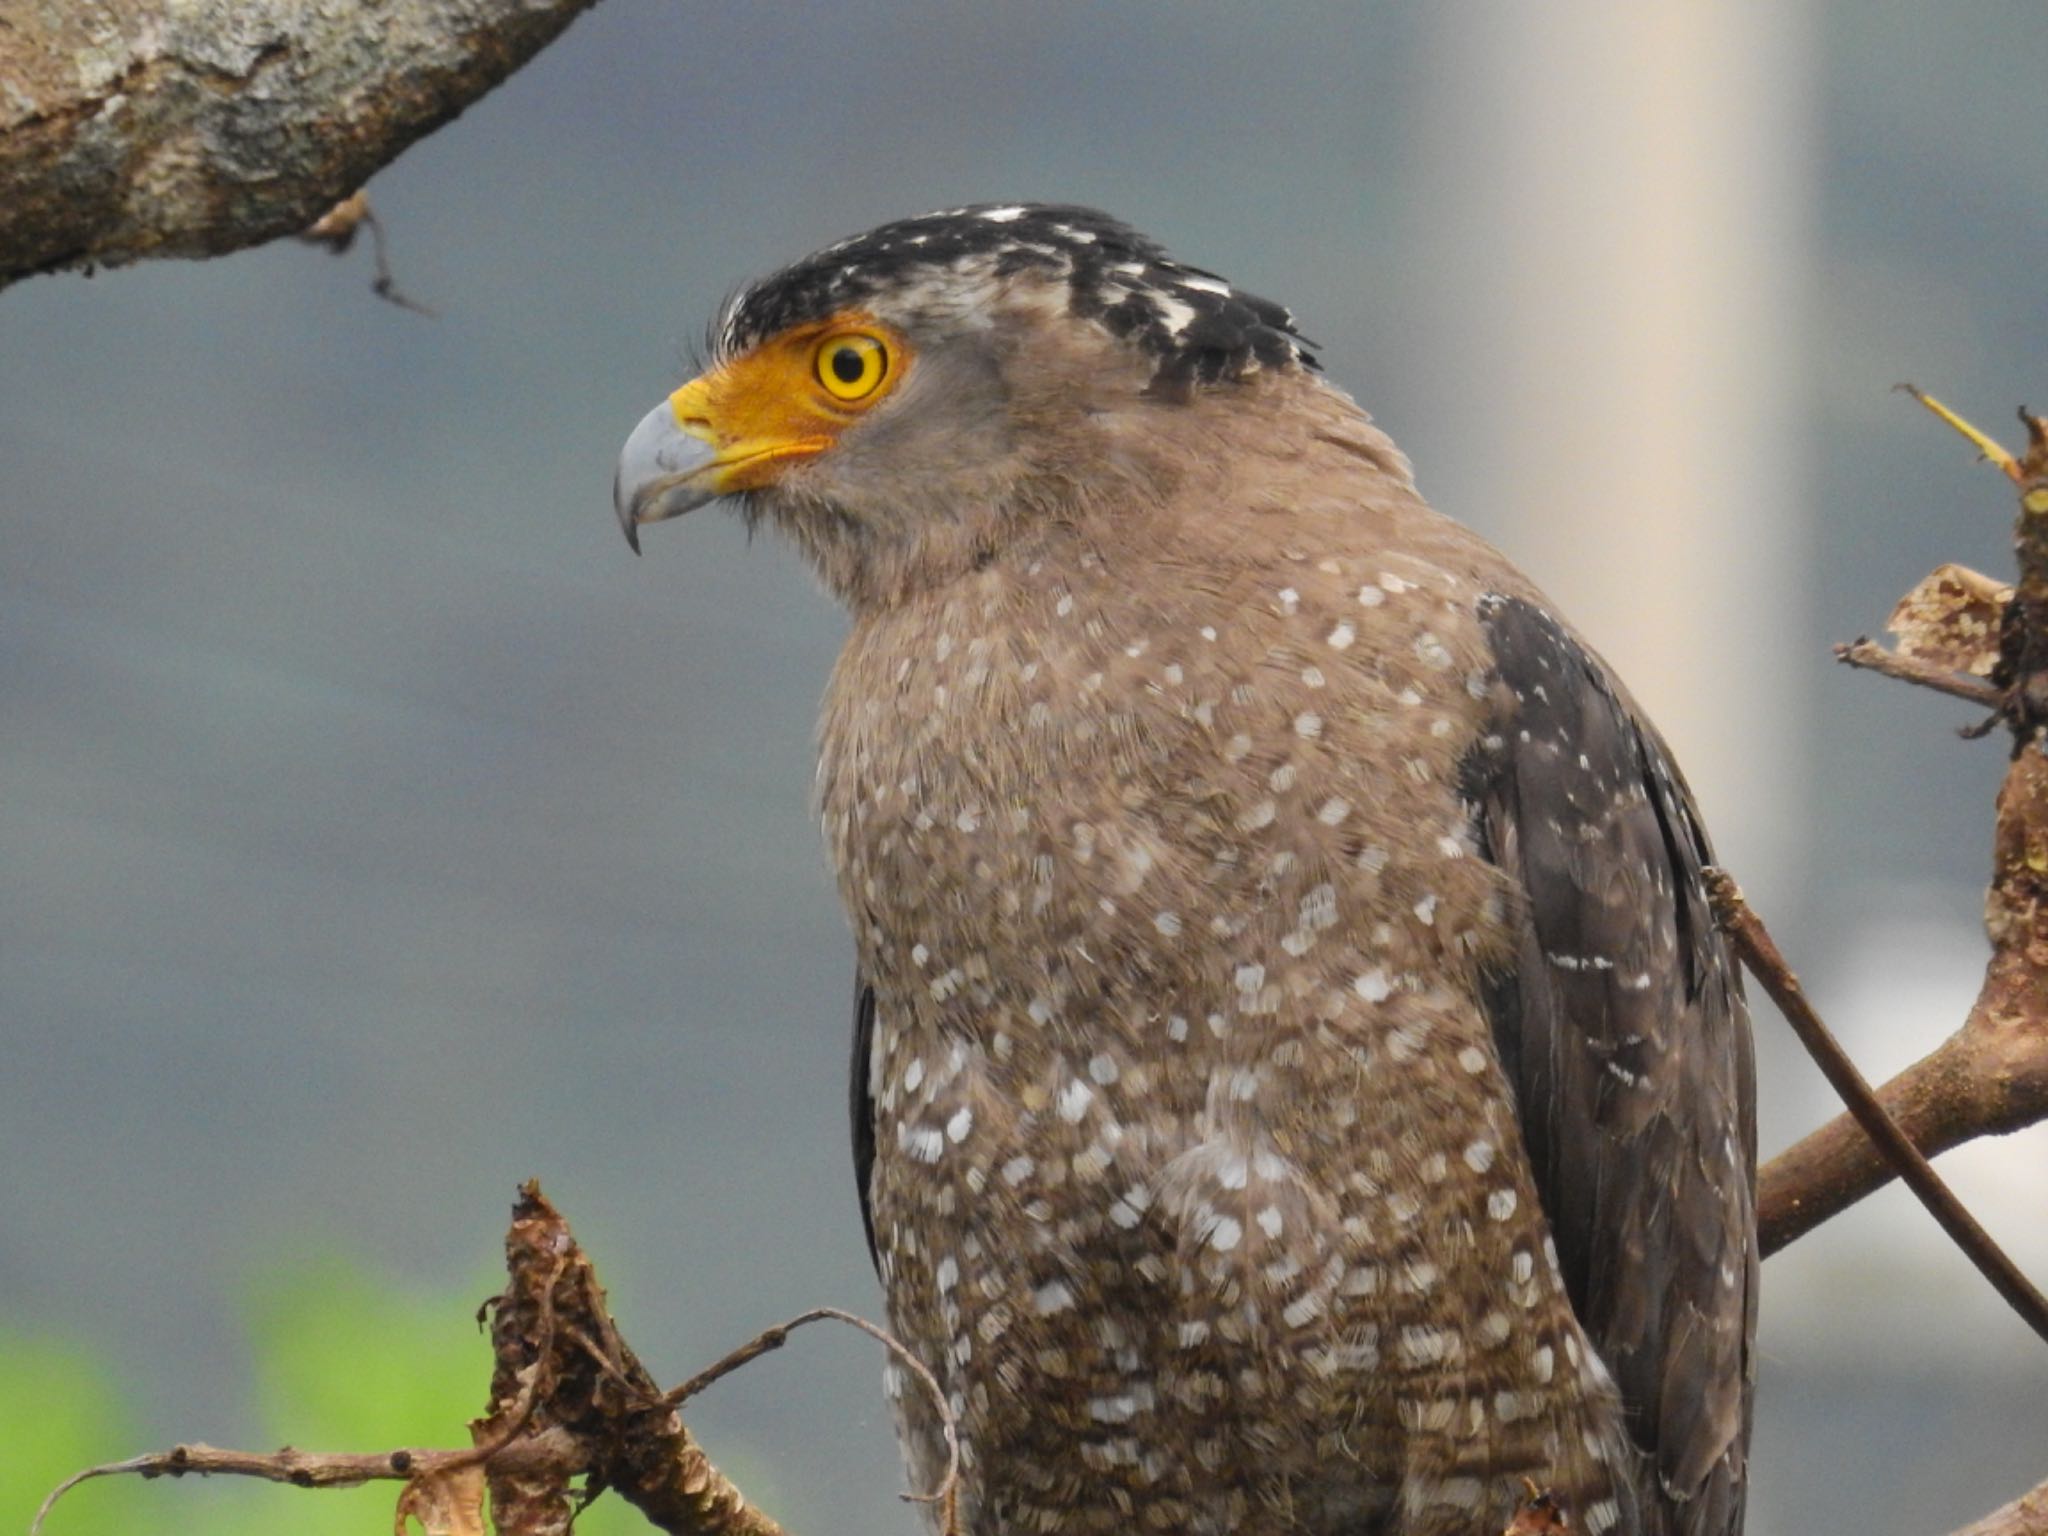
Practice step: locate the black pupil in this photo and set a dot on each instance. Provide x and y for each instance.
(848, 365)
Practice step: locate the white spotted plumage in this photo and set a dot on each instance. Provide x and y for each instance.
(1170, 776)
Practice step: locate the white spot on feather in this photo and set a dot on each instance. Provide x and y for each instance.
(1054, 1296)
(1373, 986)
(1431, 652)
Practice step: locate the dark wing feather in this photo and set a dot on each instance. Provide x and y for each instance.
(862, 1104)
(1622, 1029)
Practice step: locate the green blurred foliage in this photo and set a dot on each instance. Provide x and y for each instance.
(60, 1411)
(344, 1363)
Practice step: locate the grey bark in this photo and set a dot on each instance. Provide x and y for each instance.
(196, 127)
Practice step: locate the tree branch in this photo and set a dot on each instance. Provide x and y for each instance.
(196, 127)
(634, 1441)
(2026, 1515)
(1869, 655)
(569, 1399)
(1760, 953)
(1991, 1076)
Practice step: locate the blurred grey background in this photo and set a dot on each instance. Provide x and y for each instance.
(376, 831)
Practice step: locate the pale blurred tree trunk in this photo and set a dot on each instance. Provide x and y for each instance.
(1622, 191)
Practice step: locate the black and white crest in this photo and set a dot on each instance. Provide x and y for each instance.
(1200, 328)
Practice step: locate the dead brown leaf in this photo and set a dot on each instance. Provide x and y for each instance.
(1952, 619)
(447, 1503)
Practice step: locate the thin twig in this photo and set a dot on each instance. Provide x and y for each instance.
(609, 1367)
(774, 1338)
(1872, 657)
(384, 285)
(1760, 954)
(552, 1449)
(337, 229)
(1993, 451)
(1832, 1167)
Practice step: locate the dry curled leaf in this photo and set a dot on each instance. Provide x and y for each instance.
(449, 1503)
(1952, 619)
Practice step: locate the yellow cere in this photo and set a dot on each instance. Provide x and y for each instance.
(790, 397)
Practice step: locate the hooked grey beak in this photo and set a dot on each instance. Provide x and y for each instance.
(657, 468)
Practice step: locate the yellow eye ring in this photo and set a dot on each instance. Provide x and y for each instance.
(852, 365)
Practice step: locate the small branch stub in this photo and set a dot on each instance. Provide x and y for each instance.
(337, 228)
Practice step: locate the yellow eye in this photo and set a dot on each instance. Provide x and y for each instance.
(852, 366)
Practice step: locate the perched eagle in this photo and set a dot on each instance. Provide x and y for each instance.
(1298, 1084)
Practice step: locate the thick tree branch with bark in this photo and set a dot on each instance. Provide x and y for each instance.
(197, 127)
(2026, 1515)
